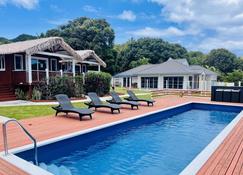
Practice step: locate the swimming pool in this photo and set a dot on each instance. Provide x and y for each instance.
(161, 143)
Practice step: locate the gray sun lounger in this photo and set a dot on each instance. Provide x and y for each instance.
(117, 100)
(133, 97)
(66, 106)
(97, 103)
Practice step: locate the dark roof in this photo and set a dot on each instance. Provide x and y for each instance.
(170, 67)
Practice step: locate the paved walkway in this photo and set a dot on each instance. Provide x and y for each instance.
(29, 103)
(49, 126)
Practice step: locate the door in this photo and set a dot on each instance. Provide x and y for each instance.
(39, 66)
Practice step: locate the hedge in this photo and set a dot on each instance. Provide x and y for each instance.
(98, 82)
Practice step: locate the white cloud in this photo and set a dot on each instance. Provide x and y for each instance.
(89, 8)
(223, 18)
(168, 32)
(27, 4)
(127, 15)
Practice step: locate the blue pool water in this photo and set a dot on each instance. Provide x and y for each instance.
(163, 143)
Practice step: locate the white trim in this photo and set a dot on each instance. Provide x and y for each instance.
(4, 63)
(56, 55)
(22, 62)
(24, 165)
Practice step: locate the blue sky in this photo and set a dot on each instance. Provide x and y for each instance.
(197, 25)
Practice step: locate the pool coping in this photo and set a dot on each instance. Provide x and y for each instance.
(197, 163)
(192, 168)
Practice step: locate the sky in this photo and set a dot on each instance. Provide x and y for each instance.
(195, 24)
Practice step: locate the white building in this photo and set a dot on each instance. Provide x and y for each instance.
(172, 74)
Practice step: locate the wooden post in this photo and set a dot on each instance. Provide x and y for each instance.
(28, 56)
(73, 68)
(47, 76)
(99, 68)
(61, 72)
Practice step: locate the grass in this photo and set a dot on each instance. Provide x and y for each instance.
(122, 90)
(23, 112)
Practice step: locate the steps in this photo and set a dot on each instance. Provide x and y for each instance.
(6, 93)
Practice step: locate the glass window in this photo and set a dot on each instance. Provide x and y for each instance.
(2, 63)
(173, 82)
(77, 68)
(53, 65)
(149, 82)
(67, 67)
(18, 62)
(84, 68)
(124, 82)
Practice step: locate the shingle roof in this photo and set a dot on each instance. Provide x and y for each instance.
(135, 70)
(170, 67)
(199, 69)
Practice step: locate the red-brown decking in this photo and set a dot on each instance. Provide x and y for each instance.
(48, 127)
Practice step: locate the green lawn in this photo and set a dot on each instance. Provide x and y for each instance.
(22, 112)
(122, 90)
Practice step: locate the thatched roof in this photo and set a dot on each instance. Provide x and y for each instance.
(37, 45)
(84, 54)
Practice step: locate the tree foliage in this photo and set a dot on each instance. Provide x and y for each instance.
(222, 59)
(235, 76)
(154, 49)
(85, 33)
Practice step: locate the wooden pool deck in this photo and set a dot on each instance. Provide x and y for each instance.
(228, 158)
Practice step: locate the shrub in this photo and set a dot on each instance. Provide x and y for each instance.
(98, 82)
(20, 94)
(79, 86)
(36, 94)
(61, 85)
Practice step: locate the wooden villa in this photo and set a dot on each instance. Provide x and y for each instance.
(29, 62)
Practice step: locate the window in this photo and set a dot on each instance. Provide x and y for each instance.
(2, 63)
(53, 65)
(149, 82)
(18, 62)
(84, 68)
(173, 82)
(67, 67)
(77, 68)
(124, 82)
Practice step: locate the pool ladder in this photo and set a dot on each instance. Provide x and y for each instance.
(5, 139)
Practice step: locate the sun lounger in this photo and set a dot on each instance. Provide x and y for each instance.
(97, 103)
(117, 100)
(66, 106)
(133, 97)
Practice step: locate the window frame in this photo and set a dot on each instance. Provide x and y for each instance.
(52, 59)
(21, 62)
(2, 63)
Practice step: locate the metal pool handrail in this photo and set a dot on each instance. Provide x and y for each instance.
(5, 140)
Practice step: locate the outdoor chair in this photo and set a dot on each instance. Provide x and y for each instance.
(133, 97)
(66, 106)
(97, 103)
(117, 100)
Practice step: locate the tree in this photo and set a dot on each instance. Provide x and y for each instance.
(139, 62)
(221, 59)
(85, 33)
(154, 49)
(4, 40)
(196, 57)
(23, 37)
(235, 76)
